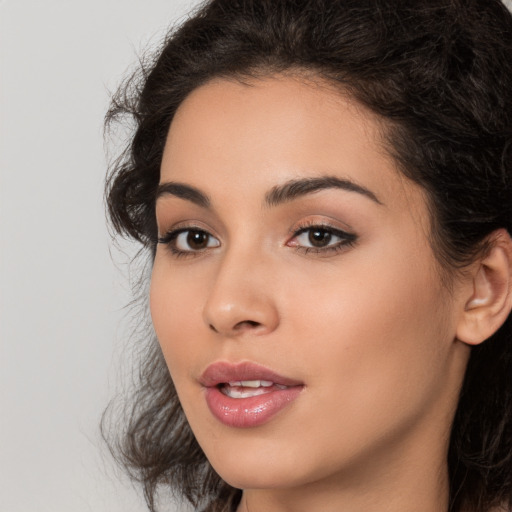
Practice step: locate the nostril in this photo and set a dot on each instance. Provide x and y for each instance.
(247, 324)
(240, 326)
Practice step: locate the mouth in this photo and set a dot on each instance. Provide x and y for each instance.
(249, 388)
(246, 394)
(244, 375)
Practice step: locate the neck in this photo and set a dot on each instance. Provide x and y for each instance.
(431, 496)
(414, 478)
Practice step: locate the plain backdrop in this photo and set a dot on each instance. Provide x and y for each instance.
(61, 296)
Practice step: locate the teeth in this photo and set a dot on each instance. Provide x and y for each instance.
(251, 383)
(248, 388)
(243, 393)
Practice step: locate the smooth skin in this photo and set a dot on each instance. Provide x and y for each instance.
(337, 287)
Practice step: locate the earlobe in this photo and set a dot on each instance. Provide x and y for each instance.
(490, 300)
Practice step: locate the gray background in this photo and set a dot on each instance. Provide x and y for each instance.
(61, 297)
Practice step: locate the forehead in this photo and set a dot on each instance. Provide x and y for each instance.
(230, 137)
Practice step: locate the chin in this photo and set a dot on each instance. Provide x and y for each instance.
(261, 465)
(262, 477)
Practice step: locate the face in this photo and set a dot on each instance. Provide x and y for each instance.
(294, 292)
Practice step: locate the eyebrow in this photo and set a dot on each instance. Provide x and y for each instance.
(279, 194)
(300, 187)
(183, 191)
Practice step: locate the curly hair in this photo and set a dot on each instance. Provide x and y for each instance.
(439, 74)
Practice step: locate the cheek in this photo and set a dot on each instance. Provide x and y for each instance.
(176, 314)
(382, 312)
(370, 295)
(373, 348)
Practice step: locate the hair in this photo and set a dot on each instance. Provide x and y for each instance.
(439, 75)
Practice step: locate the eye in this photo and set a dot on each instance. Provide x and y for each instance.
(317, 237)
(321, 239)
(194, 240)
(188, 240)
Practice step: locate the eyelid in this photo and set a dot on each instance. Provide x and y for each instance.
(182, 224)
(174, 233)
(171, 235)
(347, 238)
(323, 223)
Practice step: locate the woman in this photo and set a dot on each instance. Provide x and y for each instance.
(324, 188)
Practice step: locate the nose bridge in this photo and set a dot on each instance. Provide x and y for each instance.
(240, 297)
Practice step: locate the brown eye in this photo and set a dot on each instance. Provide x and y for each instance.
(322, 239)
(189, 241)
(319, 237)
(197, 240)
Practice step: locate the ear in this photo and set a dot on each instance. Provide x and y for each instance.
(488, 301)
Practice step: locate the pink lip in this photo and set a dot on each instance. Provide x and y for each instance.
(251, 411)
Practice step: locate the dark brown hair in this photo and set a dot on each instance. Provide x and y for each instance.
(439, 73)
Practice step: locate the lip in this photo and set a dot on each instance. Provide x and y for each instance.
(222, 371)
(251, 411)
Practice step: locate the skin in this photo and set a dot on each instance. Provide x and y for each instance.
(369, 327)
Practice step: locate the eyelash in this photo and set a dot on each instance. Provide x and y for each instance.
(346, 240)
(169, 240)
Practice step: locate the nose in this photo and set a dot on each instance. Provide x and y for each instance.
(241, 298)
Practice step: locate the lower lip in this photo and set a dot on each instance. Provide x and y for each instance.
(249, 412)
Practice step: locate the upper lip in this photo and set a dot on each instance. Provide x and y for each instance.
(222, 372)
